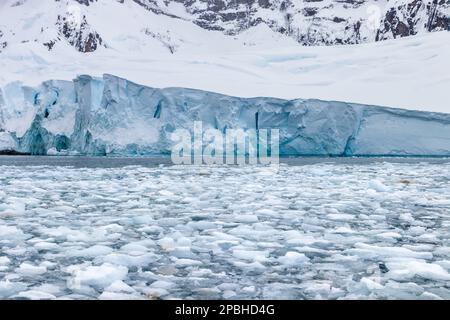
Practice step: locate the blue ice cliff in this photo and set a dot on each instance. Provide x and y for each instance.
(113, 116)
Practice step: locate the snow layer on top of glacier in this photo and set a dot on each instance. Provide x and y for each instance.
(409, 73)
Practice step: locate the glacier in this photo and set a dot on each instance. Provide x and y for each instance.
(112, 116)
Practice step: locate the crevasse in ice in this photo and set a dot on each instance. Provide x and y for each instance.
(113, 116)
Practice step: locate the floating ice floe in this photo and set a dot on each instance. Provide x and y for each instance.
(109, 233)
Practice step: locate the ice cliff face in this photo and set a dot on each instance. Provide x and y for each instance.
(113, 116)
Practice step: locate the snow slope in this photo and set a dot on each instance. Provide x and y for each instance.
(161, 51)
(113, 116)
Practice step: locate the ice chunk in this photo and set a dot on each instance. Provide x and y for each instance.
(47, 246)
(429, 296)
(162, 284)
(155, 293)
(94, 251)
(246, 218)
(27, 269)
(35, 295)
(97, 276)
(367, 250)
(291, 259)
(52, 152)
(407, 269)
(120, 286)
(107, 295)
(378, 186)
(250, 255)
(8, 288)
(4, 261)
(137, 259)
(134, 248)
(370, 284)
(253, 267)
(187, 263)
(11, 233)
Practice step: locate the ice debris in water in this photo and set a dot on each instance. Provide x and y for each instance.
(319, 231)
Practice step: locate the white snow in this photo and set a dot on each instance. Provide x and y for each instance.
(408, 73)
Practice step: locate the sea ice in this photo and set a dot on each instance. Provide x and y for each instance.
(97, 276)
(8, 289)
(293, 259)
(27, 269)
(35, 295)
(408, 269)
(309, 232)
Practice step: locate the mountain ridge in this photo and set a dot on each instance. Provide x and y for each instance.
(308, 22)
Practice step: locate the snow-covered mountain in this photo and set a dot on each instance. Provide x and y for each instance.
(208, 45)
(313, 22)
(48, 39)
(309, 22)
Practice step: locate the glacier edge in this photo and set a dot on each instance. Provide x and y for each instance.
(113, 116)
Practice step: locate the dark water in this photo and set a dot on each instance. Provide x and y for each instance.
(117, 162)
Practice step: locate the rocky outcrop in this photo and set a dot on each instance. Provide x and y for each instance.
(79, 34)
(315, 22)
(309, 22)
(3, 44)
(414, 17)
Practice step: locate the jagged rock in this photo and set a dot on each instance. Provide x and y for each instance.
(414, 17)
(309, 22)
(315, 22)
(3, 44)
(81, 36)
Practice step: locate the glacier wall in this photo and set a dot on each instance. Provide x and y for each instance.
(113, 116)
